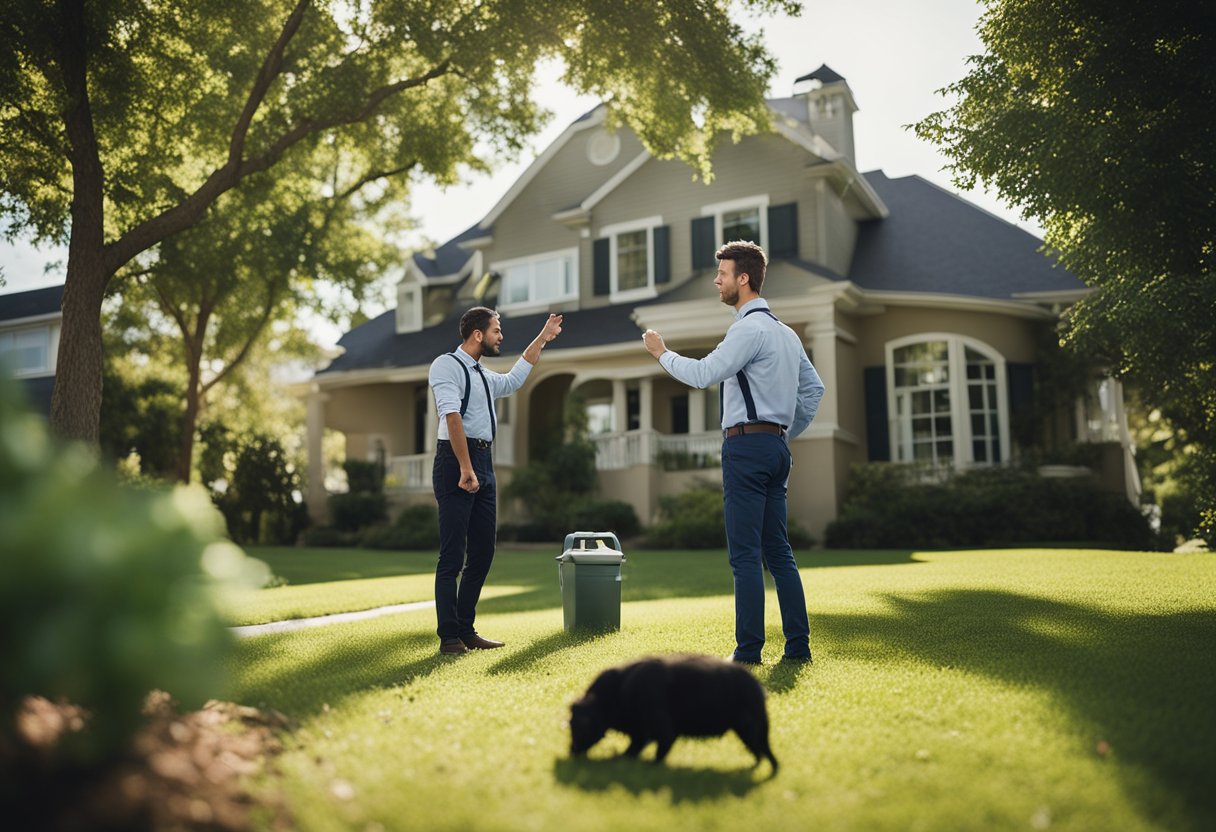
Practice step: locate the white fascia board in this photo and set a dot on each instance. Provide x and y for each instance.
(844, 171)
(805, 139)
(14, 323)
(1015, 308)
(1055, 295)
(594, 120)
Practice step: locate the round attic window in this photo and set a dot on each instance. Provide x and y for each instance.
(603, 147)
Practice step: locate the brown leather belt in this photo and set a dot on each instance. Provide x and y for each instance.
(753, 427)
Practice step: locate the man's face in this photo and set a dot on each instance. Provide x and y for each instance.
(491, 339)
(727, 282)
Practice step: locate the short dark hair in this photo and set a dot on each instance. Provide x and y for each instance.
(476, 319)
(749, 259)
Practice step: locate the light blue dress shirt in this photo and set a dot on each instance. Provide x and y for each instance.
(447, 380)
(783, 383)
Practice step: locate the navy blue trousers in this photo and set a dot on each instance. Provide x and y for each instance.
(467, 528)
(755, 469)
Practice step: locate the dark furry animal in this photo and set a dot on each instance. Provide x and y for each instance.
(659, 699)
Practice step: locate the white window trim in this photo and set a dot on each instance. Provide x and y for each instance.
(413, 322)
(611, 232)
(960, 420)
(717, 209)
(52, 350)
(531, 304)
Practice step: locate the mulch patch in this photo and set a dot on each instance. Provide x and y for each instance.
(181, 771)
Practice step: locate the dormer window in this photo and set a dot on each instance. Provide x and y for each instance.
(740, 219)
(538, 281)
(409, 307)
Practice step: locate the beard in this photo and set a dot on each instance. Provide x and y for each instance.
(488, 350)
(730, 296)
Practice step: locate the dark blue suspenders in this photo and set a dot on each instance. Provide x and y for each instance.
(468, 383)
(744, 387)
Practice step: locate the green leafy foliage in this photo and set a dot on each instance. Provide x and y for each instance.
(261, 500)
(106, 592)
(1094, 116)
(900, 506)
(416, 529)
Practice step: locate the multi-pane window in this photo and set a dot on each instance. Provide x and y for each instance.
(631, 258)
(741, 225)
(948, 405)
(740, 219)
(26, 351)
(543, 279)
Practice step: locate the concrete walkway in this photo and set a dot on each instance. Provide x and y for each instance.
(294, 624)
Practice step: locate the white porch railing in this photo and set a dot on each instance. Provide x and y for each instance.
(409, 473)
(614, 451)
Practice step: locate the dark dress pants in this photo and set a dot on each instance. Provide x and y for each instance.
(467, 527)
(755, 469)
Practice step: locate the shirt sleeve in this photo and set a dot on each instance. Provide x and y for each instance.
(810, 391)
(448, 389)
(738, 348)
(504, 384)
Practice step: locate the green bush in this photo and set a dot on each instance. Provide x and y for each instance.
(692, 520)
(605, 515)
(106, 592)
(351, 511)
(261, 502)
(415, 529)
(327, 537)
(364, 477)
(896, 506)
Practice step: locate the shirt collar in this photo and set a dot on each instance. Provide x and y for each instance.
(465, 357)
(755, 303)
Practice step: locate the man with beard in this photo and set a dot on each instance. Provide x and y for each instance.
(463, 474)
(769, 395)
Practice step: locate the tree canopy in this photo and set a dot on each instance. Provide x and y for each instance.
(122, 122)
(1095, 117)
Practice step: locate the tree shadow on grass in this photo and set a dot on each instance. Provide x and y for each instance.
(643, 776)
(1143, 682)
(345, 665)
(522, 661)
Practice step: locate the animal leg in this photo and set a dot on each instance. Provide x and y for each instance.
(636, 744)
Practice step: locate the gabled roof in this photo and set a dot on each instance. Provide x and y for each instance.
(934, 241)
(32, 304)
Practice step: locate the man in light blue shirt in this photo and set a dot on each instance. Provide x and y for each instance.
(770, 392)
(463, 473)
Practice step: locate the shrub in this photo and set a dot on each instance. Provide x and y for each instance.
(106, 592)
(261, 501)
(364, 477)
(327, 537)
(352, 511)
(416, 529)
(895, 506)
(692, 520)
(605, 515)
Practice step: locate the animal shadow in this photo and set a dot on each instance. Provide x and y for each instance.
(685, 785)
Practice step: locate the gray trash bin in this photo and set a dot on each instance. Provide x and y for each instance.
(589, 574)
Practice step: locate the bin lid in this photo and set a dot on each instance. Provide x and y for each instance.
(592, 540)
(589, 556)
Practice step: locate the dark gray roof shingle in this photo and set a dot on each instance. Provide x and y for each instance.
(934, 241)
(450, 257)
(28, 304)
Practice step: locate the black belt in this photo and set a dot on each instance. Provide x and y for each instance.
(480, 444)
(753, 427)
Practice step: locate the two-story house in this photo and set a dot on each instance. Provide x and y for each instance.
(918, 309)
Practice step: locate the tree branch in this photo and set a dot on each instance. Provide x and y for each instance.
(229, 366)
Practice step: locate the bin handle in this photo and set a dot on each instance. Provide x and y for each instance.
(599, 537)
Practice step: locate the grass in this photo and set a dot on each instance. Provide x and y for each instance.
(951, 690)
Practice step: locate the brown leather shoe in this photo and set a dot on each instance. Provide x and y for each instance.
(452, 647)
(476, 642)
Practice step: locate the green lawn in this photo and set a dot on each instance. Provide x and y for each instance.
(1041, 689)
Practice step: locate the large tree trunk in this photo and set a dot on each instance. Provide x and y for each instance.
(76, 400)
(194, 392)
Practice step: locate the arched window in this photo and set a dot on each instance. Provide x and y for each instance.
(947, 401)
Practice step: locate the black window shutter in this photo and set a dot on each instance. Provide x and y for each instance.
(783, 230)
(662, 254)
(1020, 378)
(877, 437)
(601, 263)
(704, 245)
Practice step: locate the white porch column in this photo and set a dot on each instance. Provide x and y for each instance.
(620, 406)
(315, 421)
(646, 404)
(821, 333)
(696, 411)
(432, 421)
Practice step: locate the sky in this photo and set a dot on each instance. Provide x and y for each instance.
(895, 55)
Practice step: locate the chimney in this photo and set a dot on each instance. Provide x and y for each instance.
(830, 107)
